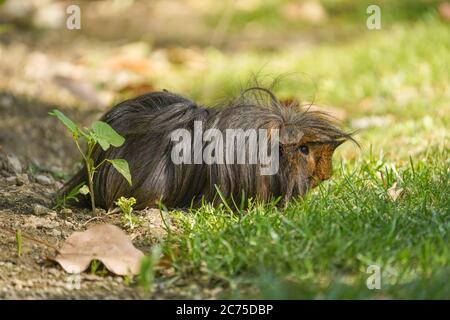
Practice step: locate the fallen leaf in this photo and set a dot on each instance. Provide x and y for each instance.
(104, 242)
(143, 66)
(395, 193)
(444, 11)
(136, 89)
(307, 11)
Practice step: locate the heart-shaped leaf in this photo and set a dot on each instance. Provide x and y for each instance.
(106, 135)
(69, 124)
(104, 242)
(122, 166)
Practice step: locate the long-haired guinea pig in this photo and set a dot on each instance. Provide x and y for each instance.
(297, 147)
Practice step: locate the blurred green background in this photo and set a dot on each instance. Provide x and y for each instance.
(392, 84)
(322, 52)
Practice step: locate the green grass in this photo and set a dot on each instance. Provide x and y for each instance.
(346, 14)
(321, 246)
(399, 72)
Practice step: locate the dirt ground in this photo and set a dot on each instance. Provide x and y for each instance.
(42, 69)
(33, 165)
(26, 204)
(31, 162)
(120, 52)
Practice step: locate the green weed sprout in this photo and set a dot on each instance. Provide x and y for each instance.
(126, 206)
(103, 134)
(19, 242)
(149, 263)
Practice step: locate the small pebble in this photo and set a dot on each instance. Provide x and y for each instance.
(56, 233)
(11, 181)
(68, 224)
(6, 101)
(14, 163)
(40, 209)
(22, 179)
(18, 180)
(44, 180)
(53, 272)
(52, 214)
(18, 284)
(100, 212)
(66, 212)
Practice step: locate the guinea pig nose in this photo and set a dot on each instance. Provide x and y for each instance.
(324, 173)
(324, 177)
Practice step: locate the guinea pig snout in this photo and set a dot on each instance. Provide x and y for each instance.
(314, 181)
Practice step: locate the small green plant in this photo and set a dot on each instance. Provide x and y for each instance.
(19, 242)
(126, 206)
(148, 267)
(70, 196)
(128, 280)
(98, 268)
(103, 134)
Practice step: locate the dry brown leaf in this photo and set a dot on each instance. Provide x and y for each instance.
(136, 89)
(395, 193)
(308, 11)
(104, 242)
(444, 11)
(136, 65)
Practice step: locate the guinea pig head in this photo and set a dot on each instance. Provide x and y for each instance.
(306, 155)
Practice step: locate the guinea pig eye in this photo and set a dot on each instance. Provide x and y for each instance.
(304, 149)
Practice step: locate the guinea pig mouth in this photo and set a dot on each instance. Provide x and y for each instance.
(300, 187)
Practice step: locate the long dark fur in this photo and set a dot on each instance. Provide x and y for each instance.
(147, 121)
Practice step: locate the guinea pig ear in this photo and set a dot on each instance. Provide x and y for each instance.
(290, 134)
